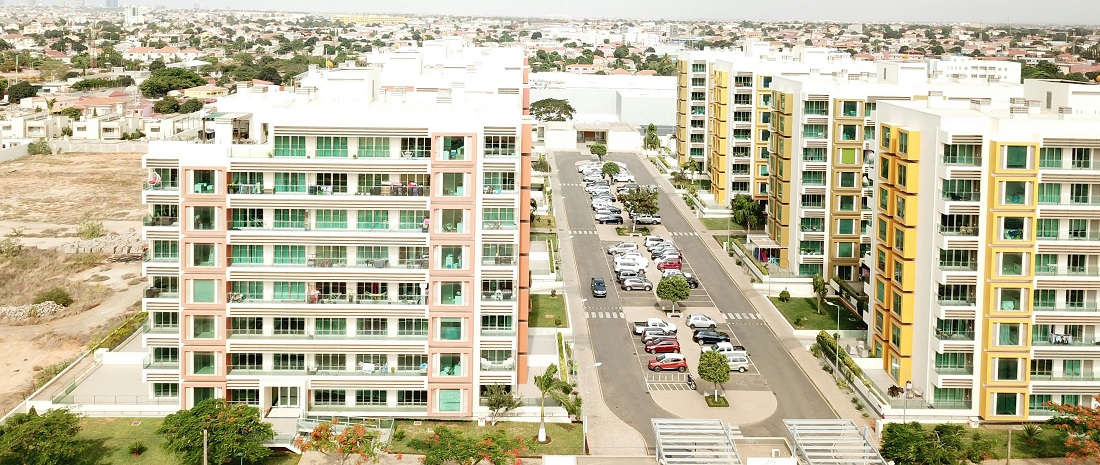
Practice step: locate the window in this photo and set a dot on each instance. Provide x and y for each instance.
(290, 291)
(1042, 367)
(1012, 263)
(166, 355)
(1015, 192)
(884, 138)
(848, 156)
(868, 133)
(962, 154)
(813, 178)
(850, 108)
(373, 147)
(1005, 403)
(954, 363)
(205, 181)
(1009, 334)
(412, 327)
(849, 132)
(286, 326)
(1016, 157)
(416, 147)
(290, 146)
(880, 262)
(289, 362)
(742, 99)
(454, 185)
(903, 142)
(1081, 159)
(453, 221)
(498, 218)
(1006, 369)
(290, 218)
(166, 250)
(202, 291)
(332, 219)
(903, 174)
(450, 329)
(496, 182)
(202, 327)
(812, 224)
(450, 365)
(1050, 193)
(1012, 228)
(1071, 368)
(407, 219)
(290, 183)
(1043, 298)
(899, 239)
(895, 335)
(845, 249)
(698, 82)
(846, 203)
(202, 363)
(814, 131)
(451, 257)
(330, 327)
(1047, 228)
(203, 218)
(247, 325)
(813, 154)
(698, 96)
(1079, 194)
(337, 181)
(332, 147)
(1050, 158)
(412, 398)
(816, 108)
(372, 397)
(290, 255)
(884, 169)
(330, 362)
(496, 325)
(166, 390)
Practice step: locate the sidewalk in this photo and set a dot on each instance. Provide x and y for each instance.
(607, 434)
(838, 400)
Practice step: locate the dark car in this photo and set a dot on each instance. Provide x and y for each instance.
(708, 336)
(609, 219)
(693, 282)
(599, 289)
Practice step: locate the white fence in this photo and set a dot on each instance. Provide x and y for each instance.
(99, 146)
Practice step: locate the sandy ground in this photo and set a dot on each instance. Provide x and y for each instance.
(44, 198)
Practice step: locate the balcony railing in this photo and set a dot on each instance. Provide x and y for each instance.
(1064, 377)
(498, 332)
(494, 225)
(370, 408)
(811, 251)
(962, 161)
(499, 261)
(948, 230)
(505, 295)
(812, 228)
(1079, 271)
(166, 187)
(1070, 236)
(499, 189)
(395, 191)
(956, 302)
(948, 405)
(151, 364)
(158, 293)
(1080, 308)
(954, 335)
(961, 196)
(363, 299)
(959, 266)
(160, 221)
(966, 370)
(1064, 340)
(1083, 201)
(338, 263)
(495, 153)
(151, 328)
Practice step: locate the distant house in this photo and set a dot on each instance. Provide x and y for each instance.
(205, 92)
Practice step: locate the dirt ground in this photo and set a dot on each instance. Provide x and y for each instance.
(42, 200)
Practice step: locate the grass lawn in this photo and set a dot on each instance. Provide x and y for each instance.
(806, 308)
(565, 438)
(545, 310)
(112, 437)
(723, 224)
(545, 221)
(1050, 443)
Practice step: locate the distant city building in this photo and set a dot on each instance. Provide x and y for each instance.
(369, 19)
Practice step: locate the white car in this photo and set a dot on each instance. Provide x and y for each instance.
(699, 320)
(587, 167)
(671, 273)
(651, 241)
(629, 265)
(630, 284)
(624, 177)
(598, 189)
(631, 257)
(622, 247)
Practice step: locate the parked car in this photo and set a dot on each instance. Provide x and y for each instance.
(738, 363)
(693, 282)
(599, 287)
(614, 210)
(670, 255)
(661, 246)
(650, 333)
(609, 219)
(647, 219)
(650, 241)
(654, 323)
(592, 177)
(710, 336)
(699, 320)
(668, 362)
(662, 347)
(725, 348)
(624, 177)
(673, 263)
(598, 189)
(657, 337)
(630, 265)
(587, 166)
(633, 284)
(631, 255)
(622, 247)
(624, 274)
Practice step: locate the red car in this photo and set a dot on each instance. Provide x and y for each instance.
(670, 264)
(662, 347)
(669, 362)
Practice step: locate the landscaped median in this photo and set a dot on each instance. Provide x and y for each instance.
(565, 438)
(548, 311)
(801, 313)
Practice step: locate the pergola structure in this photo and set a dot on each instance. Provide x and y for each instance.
(694, 442)
(832, 442)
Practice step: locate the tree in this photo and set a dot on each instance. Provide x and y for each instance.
(912, 444)
(536, 35)
(713, 367)
(552, 109)
(447, 446)
(1082, 425)
(820, 290)
(20, 91)
(233, 429)
(651, 141)
(30, 438)
(673, 288)
(191, 105)
(640, 201)
(691, 166)
(610, 169)
(269, 74)
(746, 211)
(168, 79)
(599, 150)
(157, 65)
(499, 400)
(167, 105)
(550, 384)
(351, 440)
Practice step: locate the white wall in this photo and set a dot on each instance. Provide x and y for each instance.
(624, 141)
(561, 139)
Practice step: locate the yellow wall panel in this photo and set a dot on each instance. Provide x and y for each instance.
(912, 151)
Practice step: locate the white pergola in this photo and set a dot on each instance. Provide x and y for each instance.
(832, 442)
(694, 442)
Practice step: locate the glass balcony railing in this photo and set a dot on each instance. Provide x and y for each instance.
(502, 225)
(958, 196)
(965, 370)
(499, 261)
(160, 221)
(1067, 271)
(363, 299)
(954, 335)
(151, 364)
(1063, 377)
(1065, 308)
(498, 331)
(151, 328)
(958, 266)
(956, 301)
(498, 189)
(1068, 236)
(951, 404)
(962, 161)
(948, 230)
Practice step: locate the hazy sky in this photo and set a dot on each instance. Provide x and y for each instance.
(985, 11)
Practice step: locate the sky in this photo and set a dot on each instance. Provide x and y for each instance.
(1082, 12)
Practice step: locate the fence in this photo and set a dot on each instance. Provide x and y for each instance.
(12, 153)
(99, 146)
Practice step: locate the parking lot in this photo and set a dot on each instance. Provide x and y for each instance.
(638, 298)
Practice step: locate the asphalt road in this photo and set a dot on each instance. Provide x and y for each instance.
(624, 386)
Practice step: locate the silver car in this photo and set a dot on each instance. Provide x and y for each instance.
(634, 284)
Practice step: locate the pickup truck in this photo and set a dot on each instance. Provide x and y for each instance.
(654, 323)
(726, 348)
(647, 219)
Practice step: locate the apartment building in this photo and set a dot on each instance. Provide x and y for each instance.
(354, 246)
(986, 250)
(820, 181)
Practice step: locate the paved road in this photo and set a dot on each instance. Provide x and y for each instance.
(796, 395)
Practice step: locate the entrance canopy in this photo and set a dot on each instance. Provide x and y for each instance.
(832, 442)
(694, 442)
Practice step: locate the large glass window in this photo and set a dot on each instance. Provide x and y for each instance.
(412, 327)
(290, 183)
(332, 183)
(203, 363)
(332, 219)
(1050, 158)
(290, 146)
(332, 147)
(373, 147)
(289, 362)
(454, 185)
(1007, 369)
(1005, 403)
(414, 220)
(450, 365)
(450, 293)
(850, 108)
(330, 327)
(814, 131)
(202, 327)
(1009, 334)
(498, 218)
(849, 132)
(246, 361)
(903, 142)
(290, 255)
(962, 154)
(290, 291)
(496, 182)
(1016, 157)
(202, 291)
(204, 181)
(290, 218)
(500, 146)
(416, 147)
(1012, 263)
(816, 107)
(1015, 192)
(453, 221)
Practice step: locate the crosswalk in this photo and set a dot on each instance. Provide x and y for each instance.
(574, 184)
(583, 231)
(682, 234)
(603, 315)
(741, 316)
(668, 386)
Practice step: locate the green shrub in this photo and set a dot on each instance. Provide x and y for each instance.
(39, 147)
(56, 294)
(399, 435)
(137, 448)
(46, 374)
(10, 247)
(829, 348)
(120, 334)
(784, 296)
(90, 228)
(721, 402)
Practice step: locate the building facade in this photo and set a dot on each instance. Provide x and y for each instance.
(986, 250)
(356, 245)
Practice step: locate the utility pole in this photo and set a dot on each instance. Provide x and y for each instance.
(205, 446)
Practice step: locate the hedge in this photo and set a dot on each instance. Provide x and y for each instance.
(830, 349)
(120, 334)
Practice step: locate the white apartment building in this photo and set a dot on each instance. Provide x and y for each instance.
(986, 251)
(354, 246)
(822, 141)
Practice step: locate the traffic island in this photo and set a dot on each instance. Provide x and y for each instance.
(720, 402)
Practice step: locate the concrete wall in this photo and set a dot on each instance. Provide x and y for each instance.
(12, 153)
(560, 140)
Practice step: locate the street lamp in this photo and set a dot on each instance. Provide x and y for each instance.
(837, 341)
(584, 418)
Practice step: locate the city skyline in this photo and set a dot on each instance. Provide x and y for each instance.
(983, 11)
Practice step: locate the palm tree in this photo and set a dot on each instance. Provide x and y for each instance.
(745, 211)
(650, 141)
(550, 384)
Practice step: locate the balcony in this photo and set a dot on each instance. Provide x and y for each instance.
(948, 230)
(1068, 271)
(1068, 236)
(161, 221)
(1064, 377)
(949, 405)
(492, 189)
(1064, 340)
(158, 293)
(501, 152)
(151, 328)
(500, 261)
(1043, 308)
(962, 161)
(374, 371)
(319, 299)
(1071, 201)
(965, 370)
(958, 196)
(498, 332)
(956, 301)
(162, 187)
(151, 364)
(954, 335)
(958, 266)
(497, 225)
(362, 263)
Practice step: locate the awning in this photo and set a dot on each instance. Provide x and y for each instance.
(694, 442)
(832, 442)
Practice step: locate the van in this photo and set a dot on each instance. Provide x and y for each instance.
(738, 363)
